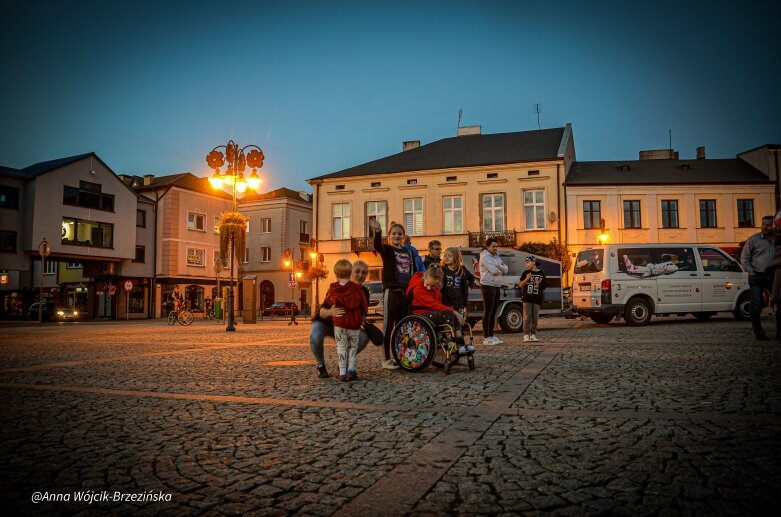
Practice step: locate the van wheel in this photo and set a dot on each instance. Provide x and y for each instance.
(743, 308)
(637, 312)
(602, 319)
(703, 315)
(511, 319)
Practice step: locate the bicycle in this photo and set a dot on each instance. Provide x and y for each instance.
(182, 316)
(208, 314)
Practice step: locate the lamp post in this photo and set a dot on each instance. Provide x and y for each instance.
(235, 224)
(313, 262)
(44, 249)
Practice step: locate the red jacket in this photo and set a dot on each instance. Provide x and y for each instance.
(352, 299)
(424, 300)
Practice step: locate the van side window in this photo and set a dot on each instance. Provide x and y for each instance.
(716, 260)
(682, 258)
(589, 261)
(637, 257)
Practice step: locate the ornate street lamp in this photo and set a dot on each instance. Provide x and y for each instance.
(233, 225)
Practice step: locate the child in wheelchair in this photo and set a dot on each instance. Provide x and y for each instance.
(425, 299)
(456, 281)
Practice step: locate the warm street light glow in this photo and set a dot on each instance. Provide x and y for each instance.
(602, 238)
(288, 263)
(299, 274)
(313, 255)
(236, 162)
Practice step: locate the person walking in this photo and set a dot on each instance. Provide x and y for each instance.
(492, 269)
(398, 266)
(323, 326)
(755, 258)
(532, 283)
(353, 300)
(434, 252)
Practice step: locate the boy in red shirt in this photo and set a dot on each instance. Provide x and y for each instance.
(426, 300)
(349, 296)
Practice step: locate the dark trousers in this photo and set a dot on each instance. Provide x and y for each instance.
(757, 283)
(491, 296)
(447, 317)
(395, 309)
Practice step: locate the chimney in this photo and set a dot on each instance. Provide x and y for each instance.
(410, 144)
(659, 154)
(701, 153)
(148, 179)
(468, 130)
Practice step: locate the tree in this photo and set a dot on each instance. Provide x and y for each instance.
(554, 250)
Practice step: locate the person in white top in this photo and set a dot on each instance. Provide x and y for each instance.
(492, 270)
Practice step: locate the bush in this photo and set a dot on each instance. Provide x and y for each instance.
(553, 250)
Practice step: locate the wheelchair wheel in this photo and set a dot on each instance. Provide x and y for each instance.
(171, 318)
(413, 343)
(440, 357)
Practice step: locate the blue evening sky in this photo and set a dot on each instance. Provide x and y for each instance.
(151, 87)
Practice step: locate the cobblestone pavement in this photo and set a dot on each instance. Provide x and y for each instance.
(679, 417)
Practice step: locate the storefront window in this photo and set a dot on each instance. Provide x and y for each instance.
(136, 300)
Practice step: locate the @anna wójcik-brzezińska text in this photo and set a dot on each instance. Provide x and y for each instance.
(91, 496)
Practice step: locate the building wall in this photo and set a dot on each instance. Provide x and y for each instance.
(727, 232)
(433, 186)
(14, 220)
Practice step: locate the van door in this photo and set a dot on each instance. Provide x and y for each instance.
(721, 279)
(679, 281)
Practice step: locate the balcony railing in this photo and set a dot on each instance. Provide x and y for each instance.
(359, 244)
(505, 238)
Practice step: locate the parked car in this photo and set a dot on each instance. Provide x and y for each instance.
(281, 309)
(638, 281)
(52, 312)
(376, 306)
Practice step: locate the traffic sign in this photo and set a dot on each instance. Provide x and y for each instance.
(128, 285)
(292, 282)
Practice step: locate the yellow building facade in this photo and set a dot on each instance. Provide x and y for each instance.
(457, 190)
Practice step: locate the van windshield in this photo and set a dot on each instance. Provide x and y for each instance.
(589, 261)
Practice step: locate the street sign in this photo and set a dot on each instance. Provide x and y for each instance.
(44, 249)
(128, 285)
(292, 282)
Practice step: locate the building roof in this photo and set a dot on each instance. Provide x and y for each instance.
(465, 151)
(655, 172)
(9, 171)
(185, 180)
(39, 168)
(277, 194)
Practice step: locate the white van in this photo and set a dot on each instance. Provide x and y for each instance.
(638, 280)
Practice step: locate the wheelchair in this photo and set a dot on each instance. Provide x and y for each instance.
(417, 342)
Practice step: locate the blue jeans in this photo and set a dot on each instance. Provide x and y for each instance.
(320, 331)
(757, 283)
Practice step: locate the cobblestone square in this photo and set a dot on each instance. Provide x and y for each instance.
(681, 417)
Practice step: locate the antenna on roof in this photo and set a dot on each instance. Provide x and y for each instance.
(670, 131)
(460, 112)
(538, 110)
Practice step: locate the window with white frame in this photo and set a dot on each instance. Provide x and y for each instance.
(340, 214)
(196, 222)
(534, 208)
(453, 214)
(216, 224)
(73, 265)
(265, 254)
(265, 225)
(196, 257)
(413, 216)
(50, 268)
(377, 211)
(492, 206)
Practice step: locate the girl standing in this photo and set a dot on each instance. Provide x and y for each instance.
(492, 269)
(398, 266)
(456, 281)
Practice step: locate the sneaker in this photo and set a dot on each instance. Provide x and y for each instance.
(533, 338)
(462, 350)
(497, 341)
(470, 348)
(322, 372)
(489, 341)
(343, 378)
(390, 364)
(352, 375)
(526, 338)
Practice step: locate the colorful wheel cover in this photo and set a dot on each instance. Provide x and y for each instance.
(413, 344)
